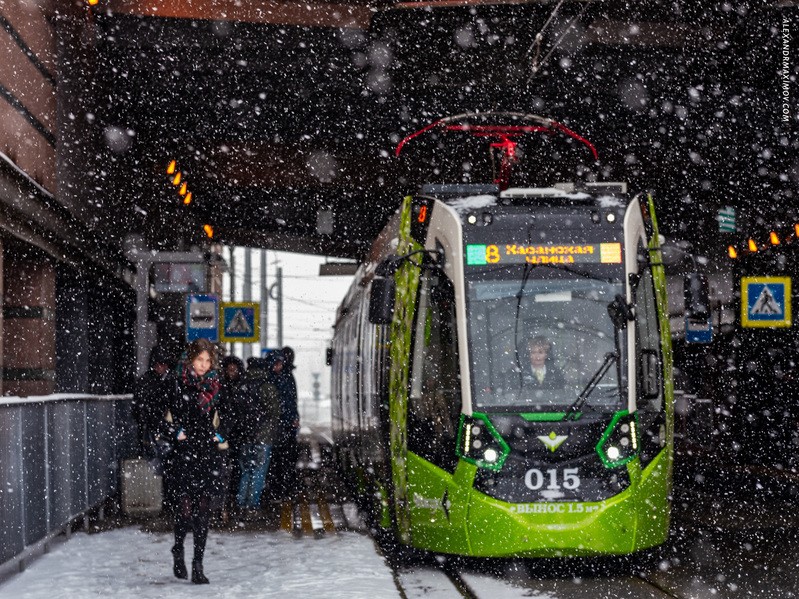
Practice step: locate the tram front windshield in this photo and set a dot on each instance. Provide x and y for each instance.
(539, 334)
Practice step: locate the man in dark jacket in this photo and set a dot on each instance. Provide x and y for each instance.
(233, 405)
(150, 400)
(258, 433)
(283, 479)
(232, 393)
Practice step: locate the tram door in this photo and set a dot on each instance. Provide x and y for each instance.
(434, 408)
(649, 368)
(435, 400)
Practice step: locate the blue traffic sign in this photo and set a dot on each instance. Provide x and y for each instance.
(202, 317)
(698, 331)
(766, 301)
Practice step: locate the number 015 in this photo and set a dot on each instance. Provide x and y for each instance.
(535, 479)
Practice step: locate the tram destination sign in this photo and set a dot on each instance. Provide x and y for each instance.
(513, 253)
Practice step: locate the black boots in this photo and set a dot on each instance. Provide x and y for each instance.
(197, 576)
(179, 567)
(194, 518)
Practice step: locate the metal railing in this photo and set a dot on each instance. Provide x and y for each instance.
(59, 458)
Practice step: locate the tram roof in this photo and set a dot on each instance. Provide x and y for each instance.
(467, 198)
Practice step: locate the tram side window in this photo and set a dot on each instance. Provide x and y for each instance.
(648, 339)
(435, 398)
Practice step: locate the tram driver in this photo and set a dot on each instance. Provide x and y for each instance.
(541, 372)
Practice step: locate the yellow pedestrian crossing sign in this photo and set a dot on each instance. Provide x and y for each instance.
(765, 302)
(239, 322)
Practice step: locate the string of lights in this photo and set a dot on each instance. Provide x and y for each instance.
(774, 239)
(178, 179)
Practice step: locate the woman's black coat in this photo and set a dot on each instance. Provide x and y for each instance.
(197, 462)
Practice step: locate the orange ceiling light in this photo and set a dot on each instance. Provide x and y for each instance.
(774, 238)
(731, 252)
(209, 231)
(796, 229)
(179, 180)
(752, 245)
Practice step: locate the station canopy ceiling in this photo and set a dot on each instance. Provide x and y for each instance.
(283, 117)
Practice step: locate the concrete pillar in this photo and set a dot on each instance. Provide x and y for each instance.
(28, 323)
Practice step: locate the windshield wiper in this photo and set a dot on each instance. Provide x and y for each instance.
(571, 411)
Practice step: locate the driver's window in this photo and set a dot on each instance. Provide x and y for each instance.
(648, 341)
(435, 398)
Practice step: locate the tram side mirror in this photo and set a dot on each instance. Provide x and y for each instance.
(620, 312)
(381, 300)
(650, 374)
(697, 297)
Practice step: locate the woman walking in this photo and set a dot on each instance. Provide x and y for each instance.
(198, 462)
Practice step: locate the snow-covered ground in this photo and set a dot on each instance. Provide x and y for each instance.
(752, 558)
(130, 564)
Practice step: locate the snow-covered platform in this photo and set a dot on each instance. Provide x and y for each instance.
(128, 563)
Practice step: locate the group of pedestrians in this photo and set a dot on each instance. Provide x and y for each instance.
(215, 436)
(262, 405)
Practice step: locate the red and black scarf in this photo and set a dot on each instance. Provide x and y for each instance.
(207, 386)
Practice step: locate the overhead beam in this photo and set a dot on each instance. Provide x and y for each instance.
(422, 4)
(292, 165)
(648, 34)
(270, 12)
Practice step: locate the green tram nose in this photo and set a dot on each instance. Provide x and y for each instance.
(529, 458)
(552, 487)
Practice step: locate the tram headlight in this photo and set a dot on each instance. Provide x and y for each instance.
(620, 442)
(479, 442)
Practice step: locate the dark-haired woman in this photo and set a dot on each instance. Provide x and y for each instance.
(198, 462)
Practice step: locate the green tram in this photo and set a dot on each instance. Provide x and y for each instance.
(436, 417)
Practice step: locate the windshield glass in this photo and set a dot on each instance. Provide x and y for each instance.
(536, 343)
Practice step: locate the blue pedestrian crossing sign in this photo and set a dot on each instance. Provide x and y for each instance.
(239, 322)
(765, 302)
(201, 317)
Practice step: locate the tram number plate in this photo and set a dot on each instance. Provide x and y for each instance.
(552, 479)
